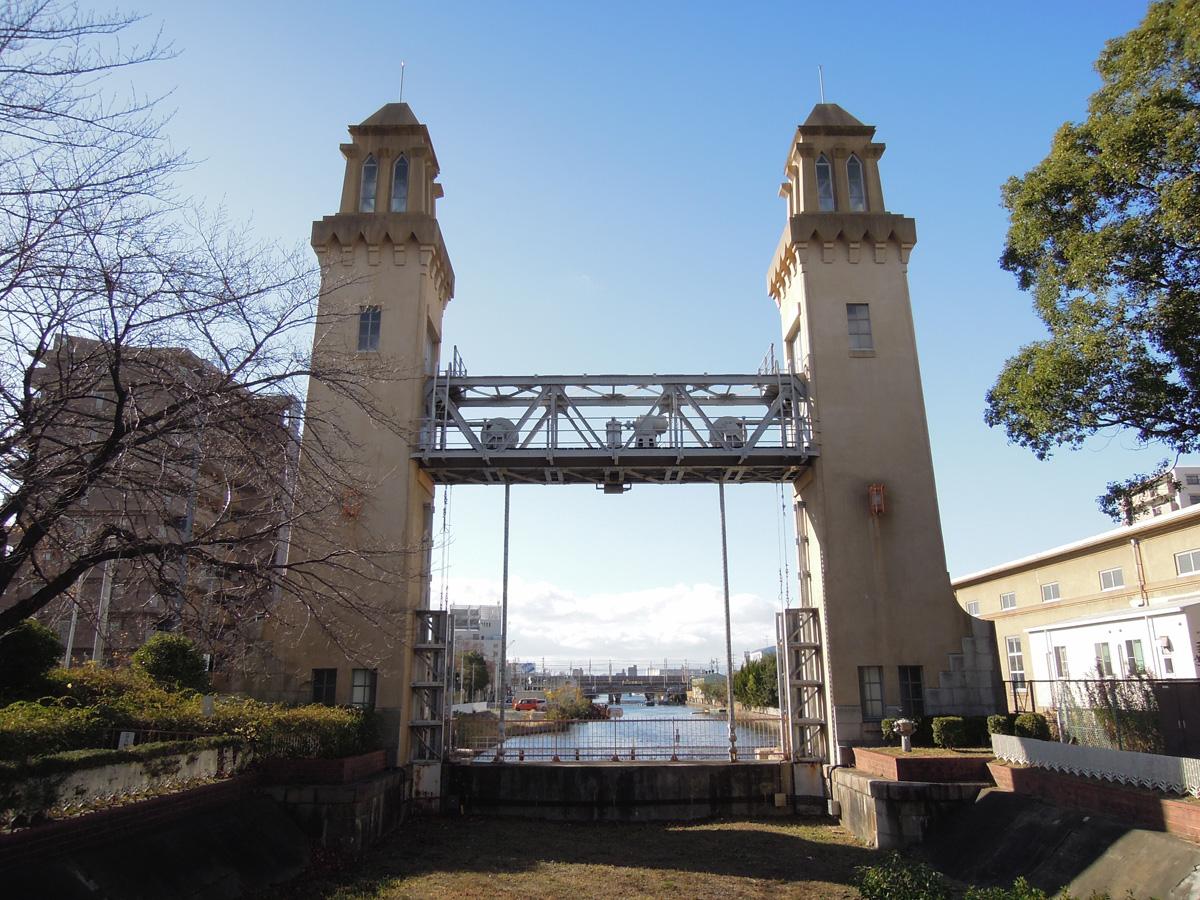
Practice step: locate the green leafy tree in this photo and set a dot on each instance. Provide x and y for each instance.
(568, 703)
(756, 683)
(474, 673)
(713, 691)
(1105, 233)
(173, 662)
(27, 653)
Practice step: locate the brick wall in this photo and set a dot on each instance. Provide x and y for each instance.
(66, 835)
(940, 769)
(1136, 806)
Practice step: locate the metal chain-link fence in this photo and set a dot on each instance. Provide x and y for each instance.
(1143, 714)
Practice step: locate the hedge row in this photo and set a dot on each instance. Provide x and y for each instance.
(1030, 725)
(969, 731)
(87, 706)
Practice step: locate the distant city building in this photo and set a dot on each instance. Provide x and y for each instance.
(477, 629)
(756, 655)
(680, 672)
(708, 683)
(1177, 489)
(1118, 604)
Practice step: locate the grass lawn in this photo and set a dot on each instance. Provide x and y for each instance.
(444, 857)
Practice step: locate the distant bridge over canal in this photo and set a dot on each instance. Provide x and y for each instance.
(596, 685)
(655, 685)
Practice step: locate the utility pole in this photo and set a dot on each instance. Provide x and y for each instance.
(503, 630)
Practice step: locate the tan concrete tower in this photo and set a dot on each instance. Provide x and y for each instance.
(386, 280)
(871, 551)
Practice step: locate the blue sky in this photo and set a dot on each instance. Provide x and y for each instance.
(611, 174)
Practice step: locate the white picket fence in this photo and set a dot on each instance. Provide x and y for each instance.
(1174, 774)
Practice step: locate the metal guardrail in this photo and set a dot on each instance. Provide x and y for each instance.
(621, 740)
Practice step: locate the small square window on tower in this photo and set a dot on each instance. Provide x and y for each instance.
(858, 321)
(368, 329)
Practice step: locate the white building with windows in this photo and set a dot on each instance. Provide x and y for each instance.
(477, 628)
(1120, 603)
(1177, 489)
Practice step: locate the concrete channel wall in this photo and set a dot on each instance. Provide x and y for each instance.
(891, 814)
(651, 791)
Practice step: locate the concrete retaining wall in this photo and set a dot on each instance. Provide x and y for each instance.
(29, 800)
(891, 814)
(347, 818)
(651, 791)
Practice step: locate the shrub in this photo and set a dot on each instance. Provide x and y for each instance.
(31, 729)
(889, 735)
(900, 879)
(301, 731)
(173, 661)
(92, 703)
(27, 653)
(977, 733)
(949, 732)
(568, 703)
(1001, 724)
(1031, 725)
(1021, 890)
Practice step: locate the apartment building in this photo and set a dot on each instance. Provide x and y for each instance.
(477, 629)
(1177, 489)
(1120, 603)
(217, 473)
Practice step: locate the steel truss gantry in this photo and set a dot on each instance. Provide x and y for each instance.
(615, 430)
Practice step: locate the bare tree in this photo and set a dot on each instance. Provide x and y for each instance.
(150, 361)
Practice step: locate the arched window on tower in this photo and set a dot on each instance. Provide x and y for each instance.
(400, 184)
(370, 181)
(825, 202)
(858, 190)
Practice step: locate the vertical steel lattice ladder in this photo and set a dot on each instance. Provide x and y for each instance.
(802, 688)
(433, 649)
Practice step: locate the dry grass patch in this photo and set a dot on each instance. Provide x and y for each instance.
(493, 857)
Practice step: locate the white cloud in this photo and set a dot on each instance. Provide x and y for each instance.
(676, 622)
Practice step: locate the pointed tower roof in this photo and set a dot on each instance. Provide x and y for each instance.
(391, 114)
(826, 114)
(829, 118)
(394, 120)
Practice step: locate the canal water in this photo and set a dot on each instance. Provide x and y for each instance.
(646, 733)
